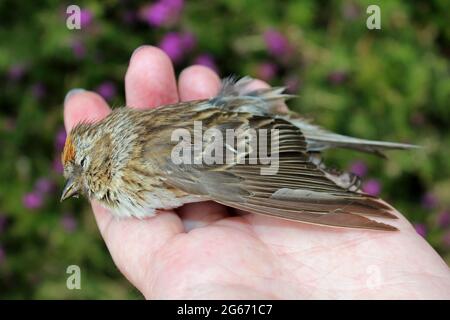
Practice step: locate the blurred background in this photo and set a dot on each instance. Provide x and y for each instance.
(390, 84)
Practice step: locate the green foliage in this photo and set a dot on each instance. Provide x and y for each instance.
(389, 84)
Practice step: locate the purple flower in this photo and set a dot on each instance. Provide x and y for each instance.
(16, 72)
(443, 219)
(266, 71)
(68, 222)
(157, 14)
(276, 43)
(78, 49)
(337, 77)
(60, 139)
(57, 165)
(421, 229)
(107, 90)
(86, 17)
(207, 60)
(359, 168)
(372, 187)
(43, 186)
(174, 4)
(429, 201)
(162, 12)
(32, 200)
(173, 45)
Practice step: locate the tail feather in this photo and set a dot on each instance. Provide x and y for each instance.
(236, 96)
(319, 140)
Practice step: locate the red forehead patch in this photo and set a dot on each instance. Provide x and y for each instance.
(68, 152)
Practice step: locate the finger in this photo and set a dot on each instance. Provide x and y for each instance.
(257, 84)
(81, 105)
(130, 241)
(150, 79)
(198, 82)
(200, 214)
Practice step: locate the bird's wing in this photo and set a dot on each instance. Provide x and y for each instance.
(235, 97)
(293, 188)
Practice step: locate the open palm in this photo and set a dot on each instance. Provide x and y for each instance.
(202, 251)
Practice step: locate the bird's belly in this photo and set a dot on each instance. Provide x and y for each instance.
(147, 204)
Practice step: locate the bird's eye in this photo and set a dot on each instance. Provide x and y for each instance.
(83, 162)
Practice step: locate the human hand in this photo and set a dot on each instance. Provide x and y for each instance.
(201, 252)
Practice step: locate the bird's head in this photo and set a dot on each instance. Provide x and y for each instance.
(84, 161)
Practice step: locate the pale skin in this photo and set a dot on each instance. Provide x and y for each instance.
(200, 251)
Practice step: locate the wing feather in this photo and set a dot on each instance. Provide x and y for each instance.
(299, 190)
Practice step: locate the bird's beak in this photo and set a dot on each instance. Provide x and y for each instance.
(70, 190)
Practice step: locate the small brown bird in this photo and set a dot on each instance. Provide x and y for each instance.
(137, 161)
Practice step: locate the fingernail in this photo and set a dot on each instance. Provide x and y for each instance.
(137, 49)
(72, 92)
